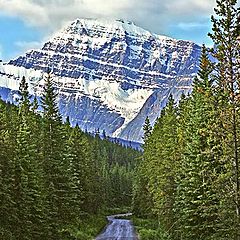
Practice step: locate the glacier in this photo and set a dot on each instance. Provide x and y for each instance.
(109, 74)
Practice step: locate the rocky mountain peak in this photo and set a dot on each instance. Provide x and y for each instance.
(110, 74)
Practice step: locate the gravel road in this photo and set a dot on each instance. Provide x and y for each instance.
(118, 229)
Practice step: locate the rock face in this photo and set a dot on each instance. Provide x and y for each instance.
(110, 74)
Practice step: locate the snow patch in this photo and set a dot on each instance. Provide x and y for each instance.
(126, 102)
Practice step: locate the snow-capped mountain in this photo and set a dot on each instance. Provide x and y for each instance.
(110, 74)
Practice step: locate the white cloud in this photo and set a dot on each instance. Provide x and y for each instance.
(190, 7)
(24, 45)
(155, 15)
(30, 12)
(192, 25)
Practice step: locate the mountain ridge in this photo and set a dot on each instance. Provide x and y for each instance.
(110, 75)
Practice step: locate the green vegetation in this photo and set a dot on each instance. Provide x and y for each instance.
(149, 229)
(188, 179)
(56, 181)
(86, 228)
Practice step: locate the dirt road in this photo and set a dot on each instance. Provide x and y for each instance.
(118, 229)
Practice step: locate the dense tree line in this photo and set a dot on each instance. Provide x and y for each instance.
(51, 174)
(188, 179)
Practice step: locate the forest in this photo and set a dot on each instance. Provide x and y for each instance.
(56, 181)
(187, 183)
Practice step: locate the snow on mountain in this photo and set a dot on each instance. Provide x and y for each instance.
(110, 74)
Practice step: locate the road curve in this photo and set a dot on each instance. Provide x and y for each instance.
(118, 229)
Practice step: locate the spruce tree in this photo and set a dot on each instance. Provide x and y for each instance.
(225, 36)
(27, 172)
(54, 165)
(142, 198)
(8, 213)
(147, 128)
(163, 164)
(197, 199)
(73, 154)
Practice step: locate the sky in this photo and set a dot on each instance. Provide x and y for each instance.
(26, 24)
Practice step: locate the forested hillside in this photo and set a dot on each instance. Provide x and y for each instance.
(188, 180)
(58, 182)
(54, 179)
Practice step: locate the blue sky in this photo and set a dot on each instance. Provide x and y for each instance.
(16, 36)
(26, 24)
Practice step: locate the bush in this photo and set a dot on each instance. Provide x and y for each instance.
(148, 234)
(149, 229)
(86, 229)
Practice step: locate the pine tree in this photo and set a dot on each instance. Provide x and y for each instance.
(105, 175)
(11, 121)
(197, 202)
(147, 128)
(8, 213)
(163, 165)
(54, 166)
(142, 198)
(73, 154)
(49, 172)
(225, 36)
(27, 173)
(142, 202)
(156, 179)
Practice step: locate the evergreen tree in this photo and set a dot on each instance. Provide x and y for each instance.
(8, 213)
(142, 199)
(27, 172)
(155, 187)
(197, 202)
(163, 164)
(225, 36)
(147, 128)
(54, 164)
(50, 177)
(82, 170)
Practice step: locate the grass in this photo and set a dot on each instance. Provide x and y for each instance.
(149, 229)
(87, 228)
(90, 226)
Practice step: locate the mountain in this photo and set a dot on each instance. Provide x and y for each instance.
(110, 74)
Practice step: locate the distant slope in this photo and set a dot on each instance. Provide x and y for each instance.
(110, 74)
